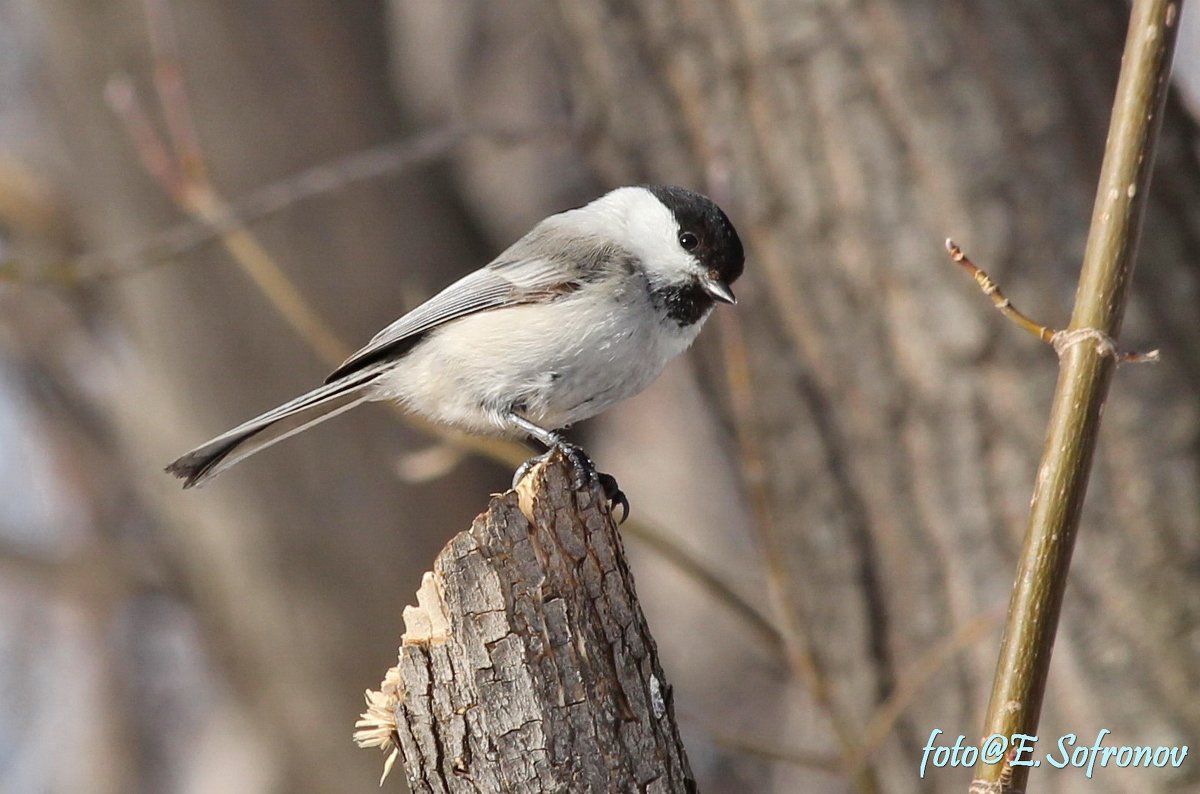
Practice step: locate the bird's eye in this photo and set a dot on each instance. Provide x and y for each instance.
(688, 240)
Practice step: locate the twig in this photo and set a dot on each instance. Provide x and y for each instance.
(195, 195)
(376, 162)
(1084, 377)
(1059, 340)
(172, 93)
(154, 155)
(992, 290)
(268, 276)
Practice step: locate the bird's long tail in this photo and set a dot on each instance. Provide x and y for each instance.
(324, 402)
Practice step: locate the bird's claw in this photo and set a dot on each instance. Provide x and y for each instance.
(525, 467)
(615, 496)
(584, 474)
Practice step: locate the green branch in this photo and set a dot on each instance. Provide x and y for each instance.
(1087, 359)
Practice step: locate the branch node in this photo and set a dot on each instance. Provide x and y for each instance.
(1059, 340)
(1105, 346)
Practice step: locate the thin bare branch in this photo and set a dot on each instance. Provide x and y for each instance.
(172, 92)
(1085, 372)
(268, 276)
(153, 153)
(992, 290)
(377, 162)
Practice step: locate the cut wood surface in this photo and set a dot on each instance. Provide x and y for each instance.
(527, 665)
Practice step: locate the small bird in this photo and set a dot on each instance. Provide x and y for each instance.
(583, 311)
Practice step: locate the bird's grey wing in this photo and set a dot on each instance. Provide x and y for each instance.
(505, 282)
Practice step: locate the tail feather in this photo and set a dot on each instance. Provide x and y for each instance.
(325, 402)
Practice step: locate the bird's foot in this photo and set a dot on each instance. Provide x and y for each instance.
(584, 475)
(582, 468)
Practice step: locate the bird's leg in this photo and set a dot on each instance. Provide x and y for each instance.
(585, 470)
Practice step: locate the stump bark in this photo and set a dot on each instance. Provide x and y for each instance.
(527, 665)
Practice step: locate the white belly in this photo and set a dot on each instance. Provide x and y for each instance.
(554, 364)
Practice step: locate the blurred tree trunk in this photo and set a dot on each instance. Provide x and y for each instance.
(899, 418)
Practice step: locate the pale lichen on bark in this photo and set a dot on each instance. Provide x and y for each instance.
(527, 665)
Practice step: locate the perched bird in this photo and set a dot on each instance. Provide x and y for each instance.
(580, 313)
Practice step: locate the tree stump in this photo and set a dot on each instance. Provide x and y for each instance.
(527, 665)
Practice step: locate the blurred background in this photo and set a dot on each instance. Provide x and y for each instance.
(204, 205)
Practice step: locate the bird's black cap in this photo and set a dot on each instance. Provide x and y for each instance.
(720, 248)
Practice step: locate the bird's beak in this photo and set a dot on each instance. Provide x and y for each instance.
(718, 290)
